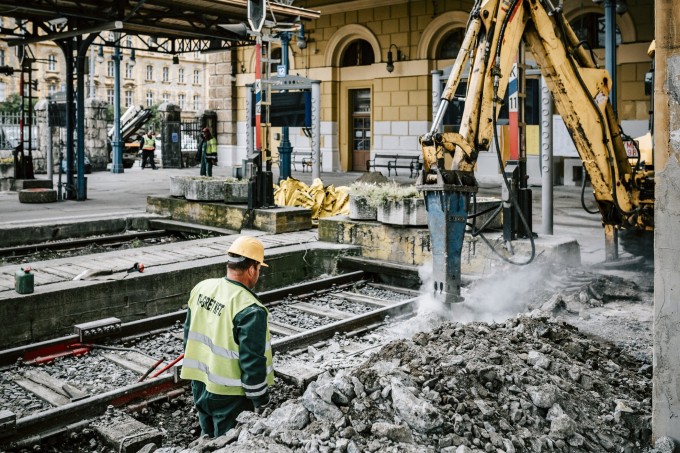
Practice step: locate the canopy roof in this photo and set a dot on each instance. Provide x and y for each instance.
(175, 25)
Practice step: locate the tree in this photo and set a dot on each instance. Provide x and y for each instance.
(12, 104)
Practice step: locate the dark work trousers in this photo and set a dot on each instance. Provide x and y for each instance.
(217, 413)
(147, 154)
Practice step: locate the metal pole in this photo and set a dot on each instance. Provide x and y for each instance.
(285, 148)
(436, 93)
(70, 185)
(546, 159)
(91, 90)
(50, 157)
(80, 118)
(258, 95)
(610, 45)
(117, 160)
(316, 129)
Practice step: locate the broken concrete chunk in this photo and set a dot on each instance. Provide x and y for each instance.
(395, 433)
(417, 413)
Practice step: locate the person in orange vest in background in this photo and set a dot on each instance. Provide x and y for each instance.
(208, 150)
(148, 143)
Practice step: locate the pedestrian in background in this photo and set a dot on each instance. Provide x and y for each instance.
(227, 345)
(208, 150)
(148, 145)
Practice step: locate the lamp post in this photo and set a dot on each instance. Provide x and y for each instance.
(285, 148)
(117, 158)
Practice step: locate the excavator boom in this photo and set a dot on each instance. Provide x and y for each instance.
(624, 193)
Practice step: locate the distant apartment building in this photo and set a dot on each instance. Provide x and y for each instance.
(148, 79)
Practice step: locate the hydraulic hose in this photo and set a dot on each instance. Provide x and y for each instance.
(583, 193)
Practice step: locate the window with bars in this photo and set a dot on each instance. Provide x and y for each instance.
(196, 76)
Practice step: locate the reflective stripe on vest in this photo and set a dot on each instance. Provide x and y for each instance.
(211, 147)
(149, 143)
(211, 353)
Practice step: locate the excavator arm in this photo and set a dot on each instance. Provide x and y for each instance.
(624, 193)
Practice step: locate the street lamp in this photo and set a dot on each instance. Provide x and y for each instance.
(117, 158)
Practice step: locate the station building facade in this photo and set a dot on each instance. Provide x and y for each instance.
(367, 110)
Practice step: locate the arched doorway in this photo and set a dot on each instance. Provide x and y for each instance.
(359, 53)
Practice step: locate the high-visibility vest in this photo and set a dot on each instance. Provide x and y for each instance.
(149, 143)
(211, 354)
(211, 147)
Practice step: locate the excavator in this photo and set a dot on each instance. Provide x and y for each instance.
(623, 188)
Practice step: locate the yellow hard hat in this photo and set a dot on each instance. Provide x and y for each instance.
(248, 247)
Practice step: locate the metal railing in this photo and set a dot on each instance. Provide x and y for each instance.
(10, 133)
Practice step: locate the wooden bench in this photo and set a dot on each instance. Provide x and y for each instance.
(303, 158)
(395, 162)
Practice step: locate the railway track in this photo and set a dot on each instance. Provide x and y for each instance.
(54, 386)
(93, 244)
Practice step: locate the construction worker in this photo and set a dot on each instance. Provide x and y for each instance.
(227, 348)
(148, 144)
(208, 148)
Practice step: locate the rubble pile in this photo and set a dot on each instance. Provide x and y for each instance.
(529, 384)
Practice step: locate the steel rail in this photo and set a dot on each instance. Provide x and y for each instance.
(154, 323)
(37, 425)
(61, 245)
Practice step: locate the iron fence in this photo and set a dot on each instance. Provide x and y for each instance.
(191, 134)
(10, 132)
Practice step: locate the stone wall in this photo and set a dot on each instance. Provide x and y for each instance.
(95, 137)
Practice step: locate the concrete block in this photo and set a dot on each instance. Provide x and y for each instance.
(411, 245)
(205, 189)
(277, 220)
(407, 212)
(359, 209)
(236, 192)
(298, 374)
(178, 185)
(127, 435)
(37, 196)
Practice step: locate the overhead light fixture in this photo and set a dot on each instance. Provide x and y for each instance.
(621, 7)
(240, 29)
(175, 59)
(301, 41)
(390, 60)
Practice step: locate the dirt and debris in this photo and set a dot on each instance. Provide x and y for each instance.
(552, 378)
(527, 384)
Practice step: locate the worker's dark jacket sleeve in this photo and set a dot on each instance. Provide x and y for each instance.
(250, 332)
